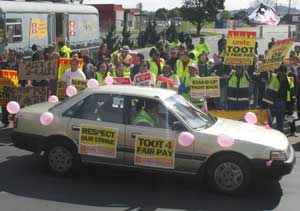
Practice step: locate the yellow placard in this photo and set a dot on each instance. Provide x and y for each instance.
(80, 84)
(276, 55)
(38, 28)
(205, 87)
(240, 47)
(261, 114)
(98, 141)
(8, 78)
(154, 152)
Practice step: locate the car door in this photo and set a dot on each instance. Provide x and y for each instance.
(183, 160)
(98, 121)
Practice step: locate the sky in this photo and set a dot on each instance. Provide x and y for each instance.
(153, 5)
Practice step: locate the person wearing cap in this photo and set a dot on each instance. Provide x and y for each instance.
(144, 68)
(167, 72)
(238, 89)
(185, 86)
(156, 63)
(125, 58)
(182, 65)
(202, 46)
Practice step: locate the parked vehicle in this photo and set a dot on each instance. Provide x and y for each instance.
(103, 126)
(23, 24)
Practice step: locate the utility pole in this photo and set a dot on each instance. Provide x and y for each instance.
(289, 27)
(276, 7)
(290, 1)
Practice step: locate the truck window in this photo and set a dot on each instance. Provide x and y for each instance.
(14, 30)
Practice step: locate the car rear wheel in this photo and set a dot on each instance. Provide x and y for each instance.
(229, 174)
(62, 160)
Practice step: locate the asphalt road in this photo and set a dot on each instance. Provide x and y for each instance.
(25, 185)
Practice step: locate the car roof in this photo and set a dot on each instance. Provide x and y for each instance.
(139, 91)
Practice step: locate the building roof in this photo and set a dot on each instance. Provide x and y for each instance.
(45, 7)
(139, 91)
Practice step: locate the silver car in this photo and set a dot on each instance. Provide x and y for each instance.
(140, 127)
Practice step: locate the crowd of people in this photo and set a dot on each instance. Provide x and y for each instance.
(241, 87)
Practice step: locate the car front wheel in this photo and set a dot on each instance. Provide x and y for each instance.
(62, 160)
(229, 174)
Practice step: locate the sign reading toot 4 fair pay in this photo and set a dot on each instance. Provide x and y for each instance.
(98, 141)
(154, 152)
(240, 48)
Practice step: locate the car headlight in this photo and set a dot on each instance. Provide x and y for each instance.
(278, 155)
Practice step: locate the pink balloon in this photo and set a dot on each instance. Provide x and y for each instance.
(92, 83)
(225, 140)
(269, 163)
(267, 126)
(71, 90)
(53, 99)
(251, 118)
(109, 80)
(13, 107)
(46, 118)
(186, 139)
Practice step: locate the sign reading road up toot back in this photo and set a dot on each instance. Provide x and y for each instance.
(240, 48)
(38, 70)
(276, 54)
(154, 152)
(98, 141)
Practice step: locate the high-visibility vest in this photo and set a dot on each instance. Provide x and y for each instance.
(238, 89)
(203, 47)
(127, 59)
(125, 74)
(154, 67)
(288, 96)
(271, 94)
(143, 117)
(173, 77)
(187, 95)
(175, 44)
(182, 73)
(195, 53)
(297, 54)
(100, 78)
(66, 50)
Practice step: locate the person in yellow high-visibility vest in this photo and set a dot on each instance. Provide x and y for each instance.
(203, 46)
(182, 65)
(156, 63)
(64, 50)
(125, 58)
(119, 71)
(101, 73)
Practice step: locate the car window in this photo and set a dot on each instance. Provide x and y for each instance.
(99, 107)
(150, 113)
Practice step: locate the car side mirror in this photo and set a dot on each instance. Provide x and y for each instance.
(177, 126)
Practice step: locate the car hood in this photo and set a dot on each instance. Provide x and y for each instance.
(38, 108)
(245, 132)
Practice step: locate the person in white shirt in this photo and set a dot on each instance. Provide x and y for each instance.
(72, 73)
(144, 69)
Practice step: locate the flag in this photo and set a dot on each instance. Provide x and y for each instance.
(264, 15)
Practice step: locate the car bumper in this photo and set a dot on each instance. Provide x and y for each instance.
(27, 142)
(278, 168)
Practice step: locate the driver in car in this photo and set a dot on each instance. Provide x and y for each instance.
(146, 114)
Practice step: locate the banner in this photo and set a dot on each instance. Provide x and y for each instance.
(240, 48)
(38, 70)
(276, 55)
(143, 77)
(8, 78)
(64, 65)
(27, 96)
(38, 28)
(261, 114)
(154, 152)
(98, 141)
(122, 81)
(205, 87)
(80, 84)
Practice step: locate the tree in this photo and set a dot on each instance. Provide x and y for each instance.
(111, 39)
(126, 40)
(161, 14)
(174, 13)
(172, 32)
(240, 15)
(200, 12)
(225, 15)
(151, 34)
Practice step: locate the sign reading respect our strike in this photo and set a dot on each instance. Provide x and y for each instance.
(98, 141)
(205, 87)
(240, 48)
(154, 152)
(276, 55)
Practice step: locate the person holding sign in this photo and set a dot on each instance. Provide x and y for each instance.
(167, 72)
(238, 89)
(119, 71)
(145, 77)
(101, 73)
(124, 58)
(73, 72)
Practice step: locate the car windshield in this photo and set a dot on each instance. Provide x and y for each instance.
(193, 116)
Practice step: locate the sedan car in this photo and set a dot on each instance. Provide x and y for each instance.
(152, 129)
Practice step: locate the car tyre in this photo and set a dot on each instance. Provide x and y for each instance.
(229, 174)
(63, 160)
